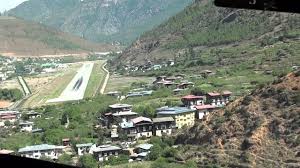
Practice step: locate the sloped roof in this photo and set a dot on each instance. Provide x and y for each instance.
(140, 119)
(173, 110)
(106, 148)
(226, 92)
(120, 106)
(213, 94)
(206, 106)
(163, 119)
(83, 145)
(39, 148)
(193, 97)
(144, 146)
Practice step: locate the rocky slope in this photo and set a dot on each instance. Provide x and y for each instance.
(203, 26)
(22, 38)
(258, 130)
(100, 20)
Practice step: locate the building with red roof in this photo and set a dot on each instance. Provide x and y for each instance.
(204, 110)
(191, 101)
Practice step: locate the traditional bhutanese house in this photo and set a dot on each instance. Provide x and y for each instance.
(37, 151)
(10, 116)
(185, 85)
(182, 115)
(159, 79)
(163, 126)
(142, 151)
(114, 94)
(177, 91)
(33, 115)
(137, 128)
(120, 107)
(83, 148)
(117, 111)
(26, 126)
(168, 84)
(191, 101)
(203, 110)
(172, 79)
(102, 153)
(226, 96)
(143, 127)
(214, 98)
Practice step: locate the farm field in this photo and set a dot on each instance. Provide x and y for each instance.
(117, 82)
(47, 87)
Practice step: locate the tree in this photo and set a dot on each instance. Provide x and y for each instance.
(87, 161)
(7, 123)
(155, 152)
(121, 159)
(65, 159)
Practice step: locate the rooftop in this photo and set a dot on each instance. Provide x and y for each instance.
(140, 119)
(83, 145)
(6, 152)
(39, 148)
(204, 107)
(193, 97)
(26, 123)
(104, 148)
(213, 94)
(226, 92)
(173, 110)
(163, 119)
(124, 113)
(116, 106)
(144, 146)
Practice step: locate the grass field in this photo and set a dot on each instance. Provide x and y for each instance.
(117, 83)
(96, 79)
(50, 89)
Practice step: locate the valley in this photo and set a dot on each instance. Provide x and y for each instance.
(181, 85)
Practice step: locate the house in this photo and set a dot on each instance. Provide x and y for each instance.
(218, 99)
(120, 107)
(185, 85)
(102, 153)
(114, 94)
(83, 148)
(182, 115)
(214, 98)
(142, 151)
(37, 151)
(26, 126)
(203, 110)
(226, 96)
(177, 91)
(191, 101)
(163, 126)
(138, 127)
(10, 116)
(156, 67)
(33, 115)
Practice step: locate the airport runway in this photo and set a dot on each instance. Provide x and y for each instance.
(76, 88)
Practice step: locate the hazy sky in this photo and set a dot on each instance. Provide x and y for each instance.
(9, 4)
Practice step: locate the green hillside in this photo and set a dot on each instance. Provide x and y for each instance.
(100, 21)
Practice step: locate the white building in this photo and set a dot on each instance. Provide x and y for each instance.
(37, 151)
(103, 152)
(83, 148)
(26, 126)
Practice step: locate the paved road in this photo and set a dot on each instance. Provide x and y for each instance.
(76, 88)
(105, 80)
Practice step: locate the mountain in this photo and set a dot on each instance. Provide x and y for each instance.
(203, 27)
(100, 20)
(260, 129)
(22, 38)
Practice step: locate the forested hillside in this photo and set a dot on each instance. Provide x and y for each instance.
(202, 27)
(100, 20)
(260, 129)
(23, 38)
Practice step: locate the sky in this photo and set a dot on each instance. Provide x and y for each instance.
(9, 4)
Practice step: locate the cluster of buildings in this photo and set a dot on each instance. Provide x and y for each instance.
(25, 123)
(7, 69)
(121, 120)
(148, 66)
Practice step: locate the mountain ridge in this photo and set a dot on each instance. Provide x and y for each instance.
(100, 21)
(23, 38)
